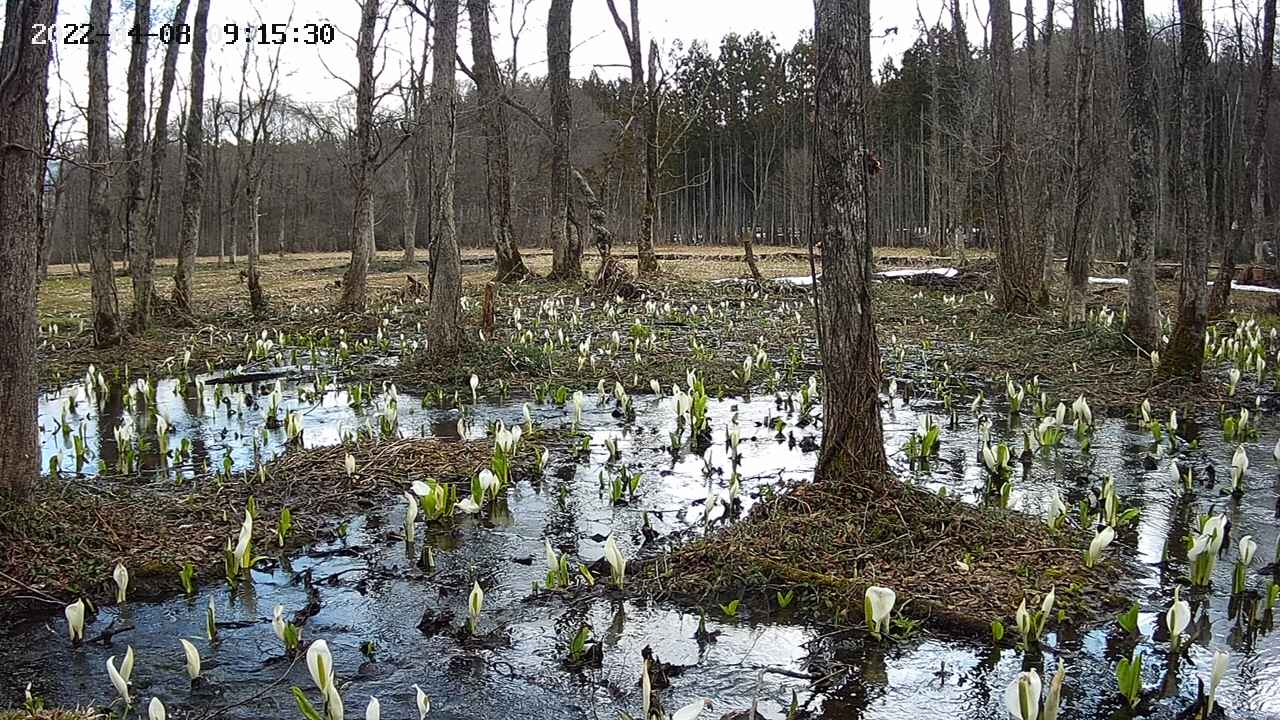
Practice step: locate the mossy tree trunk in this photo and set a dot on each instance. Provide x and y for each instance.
(24, 68)
(497, 145)
(566, 248)
(1185, 354)
(135, 140)
(193, 185)
(644, 105)
(852, 439)
(142, 260)
(1142, 323)
(106, 304)
(355, 281)
(1084, 164)
(1018, 253)
(444, 331)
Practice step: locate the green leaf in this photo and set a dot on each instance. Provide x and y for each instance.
(1129, 620)
(304, 705)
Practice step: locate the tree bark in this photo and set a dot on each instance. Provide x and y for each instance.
(1185, 354)
(135, 137)
(106, 305)
(355, 281)
(410, 236)
(142, 261)
(444, 323)
(193, 185)
(566, 259)
(852, 438)
(644, 104)
(1084, 168)
(1142, 323)
(24, 70)
(1247, 185)
(497, 145)
(1018, 255)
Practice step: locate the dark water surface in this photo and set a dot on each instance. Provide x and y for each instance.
(372, 588)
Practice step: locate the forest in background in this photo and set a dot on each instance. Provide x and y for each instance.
(734, 148)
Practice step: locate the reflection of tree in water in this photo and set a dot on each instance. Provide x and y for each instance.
(854, 676)
(110, 416)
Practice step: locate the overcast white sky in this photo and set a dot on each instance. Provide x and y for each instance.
(596, 41)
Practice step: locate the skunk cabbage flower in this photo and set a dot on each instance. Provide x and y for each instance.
(75, 620)
(277, 622)
(553, 562)
(333, 709)
(1053, 701)
(156, 711)
(1098, 544)
(467, 506)
(126, 667)
(1239, 466)
(1057, 511)
(424, 703)
(877, 605)
(1022, 696)
(242, 550)
(690, 711)
(488, 483)
(1177, 618)
(617, 563)
(350, 464)
(193, 658)
(320, 665)
(410, 515)
(475, 601)
(1218, 672)
(119, 681)
(121, 576)
(1247, 549)
(475, 384)
(1080, 408)
(374, 711)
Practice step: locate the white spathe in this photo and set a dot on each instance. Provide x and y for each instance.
(1022, 696)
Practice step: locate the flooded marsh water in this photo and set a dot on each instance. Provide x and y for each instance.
(393, 622)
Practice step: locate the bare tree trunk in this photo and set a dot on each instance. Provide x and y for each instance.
(1142, 323)
(106, 306)
(1185, 354)
(135, 136)
(355, 281)
(1247, 187)
(566, 248)
(852, 438)
(497, 145)
(257, 297)
(1047, 174)
(1018, 255)
(193, 185)
(1084, 164)
(644, 103)
(23, 71)
(444, 323)
(647, 259)
(410, 208)
(142, 263)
